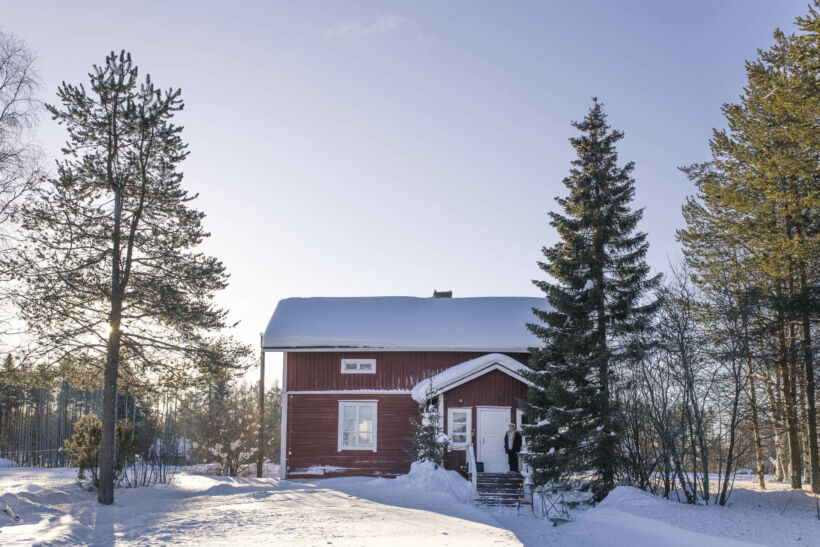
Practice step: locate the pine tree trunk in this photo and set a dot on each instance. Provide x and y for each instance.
(107, 446)
(112, 365)
(35, 427)
(761, 473)
(803, 429)
(776, 402)
(811, 410)
(789, 403)
(761, 479)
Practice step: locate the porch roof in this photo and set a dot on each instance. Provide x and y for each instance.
(466, 371)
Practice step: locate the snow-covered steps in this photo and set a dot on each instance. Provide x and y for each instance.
(499, 488)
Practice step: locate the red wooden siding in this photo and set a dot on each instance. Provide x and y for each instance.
(313, 419)
(313, 422)
(399, 370)
(492, 389)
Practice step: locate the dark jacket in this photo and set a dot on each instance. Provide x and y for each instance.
(516, 443)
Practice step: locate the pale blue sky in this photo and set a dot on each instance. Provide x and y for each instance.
(386, 148)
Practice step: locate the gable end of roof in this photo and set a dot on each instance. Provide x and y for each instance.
(466, 372)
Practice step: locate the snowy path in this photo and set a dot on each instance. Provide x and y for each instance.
(203, 510)
(200, 510)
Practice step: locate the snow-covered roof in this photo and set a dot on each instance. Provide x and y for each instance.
(403, 323)
(466, 371)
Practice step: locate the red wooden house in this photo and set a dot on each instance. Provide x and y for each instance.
(355, 370)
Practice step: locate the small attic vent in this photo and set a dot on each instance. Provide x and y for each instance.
(442, 294)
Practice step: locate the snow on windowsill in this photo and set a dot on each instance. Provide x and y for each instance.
(322, 469)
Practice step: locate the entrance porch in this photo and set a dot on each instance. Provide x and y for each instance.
(477, 400)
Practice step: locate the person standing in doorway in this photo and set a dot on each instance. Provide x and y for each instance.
(512, 446)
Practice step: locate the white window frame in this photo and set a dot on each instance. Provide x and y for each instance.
(375, 407)
(358, 363)
(469, 412)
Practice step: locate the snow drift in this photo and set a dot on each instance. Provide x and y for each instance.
(424, 487)
(427, 506)
(619, 525)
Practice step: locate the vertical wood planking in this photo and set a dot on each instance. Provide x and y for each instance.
(395, 370)
(493, 389)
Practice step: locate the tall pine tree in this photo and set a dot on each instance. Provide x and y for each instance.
(112, 277)
(599, 281)
(760, 194)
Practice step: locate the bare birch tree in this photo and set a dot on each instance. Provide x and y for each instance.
(19, 154)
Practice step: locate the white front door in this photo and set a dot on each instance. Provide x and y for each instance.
(492, 425)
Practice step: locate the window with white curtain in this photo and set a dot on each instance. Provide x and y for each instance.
(357, 425)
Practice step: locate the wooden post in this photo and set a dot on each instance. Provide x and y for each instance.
(260, 462)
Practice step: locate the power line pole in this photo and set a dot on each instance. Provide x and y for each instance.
(260, 462)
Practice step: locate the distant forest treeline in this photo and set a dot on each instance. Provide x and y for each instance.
(37, 416)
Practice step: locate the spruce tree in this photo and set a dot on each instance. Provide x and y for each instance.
(596, 293)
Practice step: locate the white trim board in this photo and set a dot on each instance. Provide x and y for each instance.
(283, 432)
(353, 392)
(320, 349)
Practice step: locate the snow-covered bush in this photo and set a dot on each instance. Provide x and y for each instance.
(227, 432)
(427, 477)
(429, 440)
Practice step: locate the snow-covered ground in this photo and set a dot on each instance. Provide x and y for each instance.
(424, 508)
